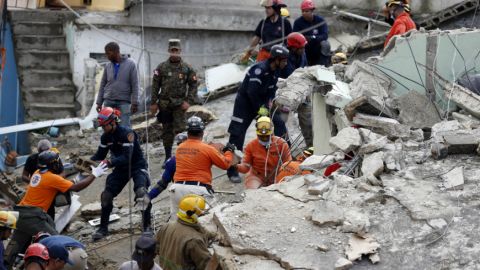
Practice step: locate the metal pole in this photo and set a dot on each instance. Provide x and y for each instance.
(362, 18)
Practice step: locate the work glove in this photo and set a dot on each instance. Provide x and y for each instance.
(263, 111)
(141, 203)
(100, 170)
(229, 147)
(106, 162)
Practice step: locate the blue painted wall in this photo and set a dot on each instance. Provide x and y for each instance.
(11, 106)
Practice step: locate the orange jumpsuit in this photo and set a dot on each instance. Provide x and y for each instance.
(289, 169)
(403, 23)
(195, 159)
(262, 164)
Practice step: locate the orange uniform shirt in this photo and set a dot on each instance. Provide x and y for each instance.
(195, 160)
(289, 169)
(403, 23)
(42, 189)
(256, 154)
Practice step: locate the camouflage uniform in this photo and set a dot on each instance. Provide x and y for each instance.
(178, 83)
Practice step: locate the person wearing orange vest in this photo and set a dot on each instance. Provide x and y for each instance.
(193, 174)
(263, 156)
(403, 22)
(292, 167)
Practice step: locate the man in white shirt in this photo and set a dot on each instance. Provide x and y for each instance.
(143, 256)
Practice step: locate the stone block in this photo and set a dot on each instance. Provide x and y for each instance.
(373, 145)
(454, 179)
(327, 213)
(464, 98)
(356, 222)
(319, 188)
(317, 162)
(343, 264)
(310, 179)
(369, 105)
(373, 164)
(417, 111)
(385, 126)
(358, 246)
(444, 127)
(348, 139)
(417, 135)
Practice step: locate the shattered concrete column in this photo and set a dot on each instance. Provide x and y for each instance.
(321, 126)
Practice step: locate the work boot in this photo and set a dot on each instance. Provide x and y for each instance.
(100, 234)
(168, 154)
(233, 175)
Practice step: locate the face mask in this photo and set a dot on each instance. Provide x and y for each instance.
(264, 143)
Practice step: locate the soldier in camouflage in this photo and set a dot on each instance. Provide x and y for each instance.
(174, 89)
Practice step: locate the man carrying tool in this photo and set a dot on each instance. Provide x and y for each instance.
(127, 162)
(315, 29)
(183, 244)
(177, 81)
(119, 87)
(41, 191)
(403, 22)
(255, 97)
(170, 167)
(194, 159)
(263, 156)
(270, 31)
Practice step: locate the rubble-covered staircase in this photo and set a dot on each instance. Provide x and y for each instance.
(43, 64)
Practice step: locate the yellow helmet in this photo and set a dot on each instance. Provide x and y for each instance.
(264, 126)
(339, 58)
(191, 206)
(8, 219)
(284, 12)
(395, 2)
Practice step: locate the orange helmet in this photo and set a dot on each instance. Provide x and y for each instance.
(307, 4)
(107, 115)
(296, 40)
(37, 250)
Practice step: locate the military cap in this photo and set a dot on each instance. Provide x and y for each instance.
(174, 44)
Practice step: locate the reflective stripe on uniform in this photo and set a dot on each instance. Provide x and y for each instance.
(127, 144)
(256, 80)
(103, 145)
(237, 119)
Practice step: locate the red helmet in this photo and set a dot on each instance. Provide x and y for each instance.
(39, 236)
(296, 40)
(37, 250)
(307, 4)
(107, 115)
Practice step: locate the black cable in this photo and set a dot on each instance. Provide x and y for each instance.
(396, 73)
(415, 62)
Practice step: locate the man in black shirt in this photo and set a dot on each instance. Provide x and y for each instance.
(32, 160)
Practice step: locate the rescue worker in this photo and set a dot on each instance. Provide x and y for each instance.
(41, 191)
(257, 92)
(270, 31)
(170, 167)
(32, 160)
(143, 256)
(386, 13)
(59, 257)
(315, 29)
(76, 250)
(127, 162)
(292, 167)
(177, 81)
(183, 244)
(263, 156)
(119, 86)
(403, 22)
(296, 43)
(8, 222)
(194, 160)
(36, 257)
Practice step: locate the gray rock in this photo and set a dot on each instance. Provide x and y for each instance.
(327, 213)
(356, 222)
(319, 188)
(373, 164)
(416, 110)
(417, 135)
(317, 162)
(386, 126)
(438, 223)
(91, 209)
(343, 264)
(454, 179)
(444, 127)
(347, 139)
(373, 145)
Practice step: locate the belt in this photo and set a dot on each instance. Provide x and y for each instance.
(195, 183)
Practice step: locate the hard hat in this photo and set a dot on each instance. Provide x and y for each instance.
(8, 219)
(37, 250)
(407, 8)
(181, 137)
(191, 206)
(307, 5)
(275, 4)
(395, 2)
(39, 236)
(50, 160)
(107, 115)
(264, 126)
(296, 40)
(339, 58)
(279, 51)
(195, 123)
(285, 13)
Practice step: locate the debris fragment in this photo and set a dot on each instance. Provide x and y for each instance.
(347, 139)
(454, 179)
(374, 258)
(327, 213)
(358, 246)
(202, 112)
(317, 162)
(356, 222)
(343, 264)
(373, 164)
(437, 223)
(385, 126)
(319, 188)
(91, 209)
(417, 111)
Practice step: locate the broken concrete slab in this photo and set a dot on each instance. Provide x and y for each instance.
(356, 222)
(467, 121)
(202, 112)
(460, 143)
(294, 188)
(373, 164)
(417, 135)
(343, 264)
(464, 98)
(358, 246)
(317, 162)
(382, 125)
(327, 213)
(91, 209)
(444, 127)
(367, 80)
(373, 146)
(454, 179)
(417, 111)
(369, 105)
(318, 188)
(347, 140)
